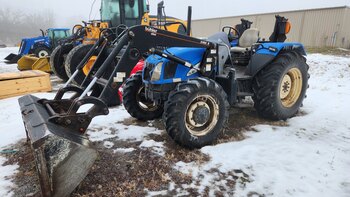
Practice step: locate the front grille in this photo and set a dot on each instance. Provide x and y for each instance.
(147, 71)
(22, 47)
(170, 69)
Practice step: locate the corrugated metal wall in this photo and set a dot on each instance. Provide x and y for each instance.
(317, 28)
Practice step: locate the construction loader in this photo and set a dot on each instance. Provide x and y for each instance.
(115, 14)
(85, 34)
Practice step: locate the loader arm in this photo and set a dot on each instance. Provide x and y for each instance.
(139, 40)
(56, 129)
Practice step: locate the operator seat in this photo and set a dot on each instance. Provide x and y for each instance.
(248, 38)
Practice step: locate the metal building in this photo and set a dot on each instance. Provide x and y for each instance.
(313, 27)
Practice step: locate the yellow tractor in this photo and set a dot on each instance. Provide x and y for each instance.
(116, 14)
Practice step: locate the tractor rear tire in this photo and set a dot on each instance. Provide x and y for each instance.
(196, 112)
(135, 102)
(57, 59)
(73, 59)
(42, 52)
(280, 88)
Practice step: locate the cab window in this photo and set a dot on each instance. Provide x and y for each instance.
(132, 13)
(110, 11)
(60, 34)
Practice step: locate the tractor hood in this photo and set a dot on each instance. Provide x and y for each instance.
(160, 70)
(35, 39)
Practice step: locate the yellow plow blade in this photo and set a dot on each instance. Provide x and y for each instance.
(28, 62)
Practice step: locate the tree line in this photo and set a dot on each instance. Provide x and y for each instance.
(16, 24)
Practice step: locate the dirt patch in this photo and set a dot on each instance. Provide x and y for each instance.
(329, 51)
(143, 171)
(26, 180)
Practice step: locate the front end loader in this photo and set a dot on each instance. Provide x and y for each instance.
(192, 80)
(56, 128)
(129, 13)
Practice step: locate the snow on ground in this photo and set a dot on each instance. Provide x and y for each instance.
(310, 157)
(5, 173)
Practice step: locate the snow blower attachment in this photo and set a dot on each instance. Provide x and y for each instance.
(55, 128)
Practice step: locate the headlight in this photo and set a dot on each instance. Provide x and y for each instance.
(157, 72)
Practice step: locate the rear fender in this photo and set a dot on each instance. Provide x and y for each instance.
(267, 52)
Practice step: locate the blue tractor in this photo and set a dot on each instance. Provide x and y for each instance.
(40, 46)
(193, 87)
(190, 82)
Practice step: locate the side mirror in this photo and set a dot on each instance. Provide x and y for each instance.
(160, 9)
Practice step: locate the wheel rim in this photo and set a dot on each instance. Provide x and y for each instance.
(43, 53)
(88, 65)
(202, 115)
(143, 102)
(290, 87)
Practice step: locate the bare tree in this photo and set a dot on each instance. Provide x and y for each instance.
(16, 24)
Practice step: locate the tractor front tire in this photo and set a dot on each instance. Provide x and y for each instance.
(74, 57)
(42, 52)
(57, 59)
(135, 101)
(196, 112)
(280, 88)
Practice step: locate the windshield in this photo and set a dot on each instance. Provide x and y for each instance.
(132, 13)
(59, 34)
(110, 11)
(128, 12)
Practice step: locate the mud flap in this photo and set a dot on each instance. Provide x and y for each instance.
(63, 157)
(12, 58)
(28, 62)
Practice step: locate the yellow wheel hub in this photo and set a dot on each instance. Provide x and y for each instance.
(202, 115)
(290, 87)
(89, 64)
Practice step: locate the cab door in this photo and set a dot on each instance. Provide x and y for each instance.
(132, 12)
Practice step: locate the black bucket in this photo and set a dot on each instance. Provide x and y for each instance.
(63, 157)
(12, 58)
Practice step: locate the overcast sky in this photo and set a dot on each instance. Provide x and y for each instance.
(72, 11)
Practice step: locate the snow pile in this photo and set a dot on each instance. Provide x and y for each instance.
(123, 150)
(310, 157)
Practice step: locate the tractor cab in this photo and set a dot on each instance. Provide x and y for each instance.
(136, 12)
(57, 34)
(127, 12)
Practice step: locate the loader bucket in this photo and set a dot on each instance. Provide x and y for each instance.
(12, 58)
(28, 62)
(63, 157)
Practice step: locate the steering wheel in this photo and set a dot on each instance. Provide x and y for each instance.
(232, 33)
